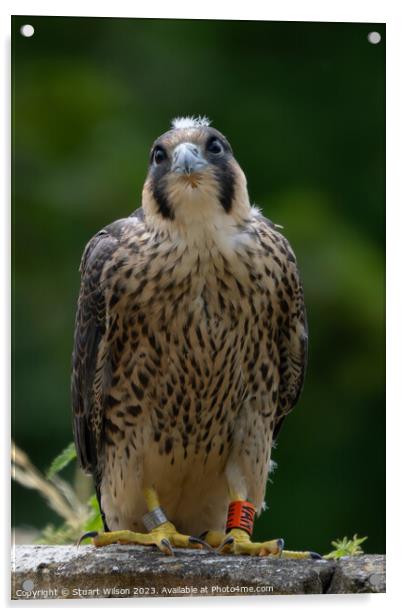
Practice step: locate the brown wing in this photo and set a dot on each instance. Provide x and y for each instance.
(293, 329)
(91, 360)
(89, 373)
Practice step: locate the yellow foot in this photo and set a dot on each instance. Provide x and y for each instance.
(165, 537)
(238, 542)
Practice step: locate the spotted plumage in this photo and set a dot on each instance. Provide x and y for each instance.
(190, 341)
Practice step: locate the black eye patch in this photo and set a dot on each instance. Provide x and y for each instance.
(157, 174)
(219, 154)
(226, 180)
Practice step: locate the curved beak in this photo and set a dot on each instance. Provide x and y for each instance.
(187, 159)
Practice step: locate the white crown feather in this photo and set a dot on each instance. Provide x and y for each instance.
(190, 122)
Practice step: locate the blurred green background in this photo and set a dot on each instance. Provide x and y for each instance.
(303, 105)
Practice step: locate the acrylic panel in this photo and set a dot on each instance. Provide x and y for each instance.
(191, 369)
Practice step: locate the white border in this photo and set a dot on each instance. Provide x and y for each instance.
(287, 10)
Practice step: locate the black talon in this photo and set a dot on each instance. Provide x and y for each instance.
(89, 535)
(228, 541)
(316, 556)
(201, 541)
(165, 542)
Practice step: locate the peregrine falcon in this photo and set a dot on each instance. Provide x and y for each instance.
(189, 351)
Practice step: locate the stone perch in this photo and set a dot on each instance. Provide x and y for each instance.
(65, 572)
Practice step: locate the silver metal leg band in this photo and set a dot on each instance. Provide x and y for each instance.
(154, 518)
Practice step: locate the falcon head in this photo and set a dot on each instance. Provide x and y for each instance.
(193, 179)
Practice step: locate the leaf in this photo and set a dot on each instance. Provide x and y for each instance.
(346, 547)
(62, 460)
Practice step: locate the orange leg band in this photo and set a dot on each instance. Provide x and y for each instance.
(241, 515)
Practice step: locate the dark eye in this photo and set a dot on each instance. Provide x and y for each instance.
(159, 155)
(215, 146)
